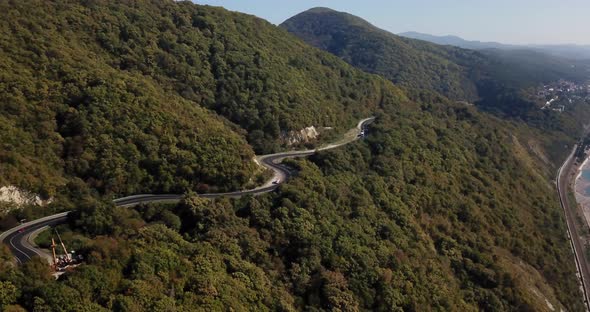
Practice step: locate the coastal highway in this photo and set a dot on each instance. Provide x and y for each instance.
(565, 176)
(17, 238)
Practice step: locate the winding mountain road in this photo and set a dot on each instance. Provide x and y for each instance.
(18, 239)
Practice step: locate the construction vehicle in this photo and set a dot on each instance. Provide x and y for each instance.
(62, 262)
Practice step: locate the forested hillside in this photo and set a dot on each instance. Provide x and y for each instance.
(371, 49)
(492, 79)
(123, 95)
(441, 207)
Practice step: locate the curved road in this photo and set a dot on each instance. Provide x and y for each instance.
(17, 238)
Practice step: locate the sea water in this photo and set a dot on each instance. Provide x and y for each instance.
(586, 177)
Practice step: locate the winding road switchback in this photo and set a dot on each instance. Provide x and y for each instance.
(18, 238)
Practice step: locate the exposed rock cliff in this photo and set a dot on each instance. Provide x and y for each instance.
(19, 197)
(302, 136)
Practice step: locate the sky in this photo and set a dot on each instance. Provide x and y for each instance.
(505, 21)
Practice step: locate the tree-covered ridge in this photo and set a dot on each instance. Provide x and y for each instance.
(441, 208)
(438, 209)
(371, 49)
(122, 94)
(220, 60)
(492, 79)
(65, 114)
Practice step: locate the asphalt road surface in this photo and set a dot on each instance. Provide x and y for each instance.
(17, 238)
(565, 176)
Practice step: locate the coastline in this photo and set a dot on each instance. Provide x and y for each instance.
(580, 187)
(582, 167)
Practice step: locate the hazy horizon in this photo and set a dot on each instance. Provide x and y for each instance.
(511, 22)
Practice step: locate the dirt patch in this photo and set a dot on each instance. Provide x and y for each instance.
(537, 150)
(529, 282)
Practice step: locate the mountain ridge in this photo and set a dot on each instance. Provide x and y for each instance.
(456, 41)
(439, 207)
(493, 79)
(573, 51)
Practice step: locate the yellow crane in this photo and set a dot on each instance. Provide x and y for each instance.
(60, 262)
(54, 255)
(67, 255)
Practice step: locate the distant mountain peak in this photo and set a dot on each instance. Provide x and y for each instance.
(323, 15)
(442, 67)
(321, 10)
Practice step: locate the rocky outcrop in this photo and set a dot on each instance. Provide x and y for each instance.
(302, 136)
(18, 197)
